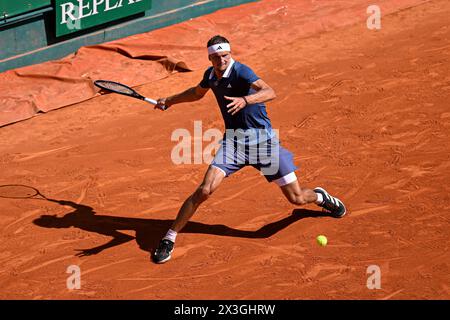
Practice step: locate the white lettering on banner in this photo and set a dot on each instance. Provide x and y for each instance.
(108, 7)
(81, 8)
(70, 12)
(67, 12)
(73, 22)
(95, 6)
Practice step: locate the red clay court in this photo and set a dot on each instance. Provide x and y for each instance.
(365, 112)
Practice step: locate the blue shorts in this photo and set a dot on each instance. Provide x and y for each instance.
(269, 157)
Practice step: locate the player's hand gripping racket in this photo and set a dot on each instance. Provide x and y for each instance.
(125, 90)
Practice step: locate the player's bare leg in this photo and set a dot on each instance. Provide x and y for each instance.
(298, 196)
(322, 198)
(211, 182)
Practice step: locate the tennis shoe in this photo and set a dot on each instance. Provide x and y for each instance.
(331, 204)
(164, 251)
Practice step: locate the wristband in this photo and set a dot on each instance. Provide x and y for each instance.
(245, 99)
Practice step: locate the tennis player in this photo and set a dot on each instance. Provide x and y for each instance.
(241, 96)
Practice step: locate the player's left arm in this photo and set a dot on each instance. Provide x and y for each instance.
(263, 94)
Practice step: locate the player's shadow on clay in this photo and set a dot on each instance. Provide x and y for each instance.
(150, 231)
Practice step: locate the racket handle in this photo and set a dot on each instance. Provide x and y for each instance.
(151, 101)
(154, 102)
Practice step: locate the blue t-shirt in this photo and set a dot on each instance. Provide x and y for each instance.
(236, 82)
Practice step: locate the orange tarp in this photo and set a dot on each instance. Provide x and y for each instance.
(151, 56)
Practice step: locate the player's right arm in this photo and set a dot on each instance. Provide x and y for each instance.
(189, 95)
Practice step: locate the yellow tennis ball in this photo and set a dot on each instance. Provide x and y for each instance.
(322, 240)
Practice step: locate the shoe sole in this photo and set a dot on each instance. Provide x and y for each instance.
(164, 260)
(335, 215)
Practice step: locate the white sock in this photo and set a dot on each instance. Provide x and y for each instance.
(171, 235)
(319, 198)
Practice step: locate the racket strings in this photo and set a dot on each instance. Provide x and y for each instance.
(115, 87)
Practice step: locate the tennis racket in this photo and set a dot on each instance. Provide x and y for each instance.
(123, 89)
(18, 191)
